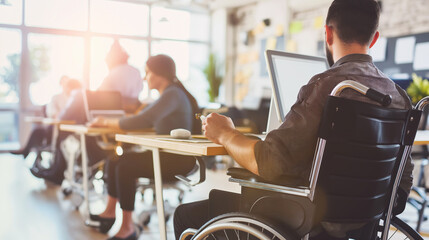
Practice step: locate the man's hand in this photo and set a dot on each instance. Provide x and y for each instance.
(218, 128)
(221, 130)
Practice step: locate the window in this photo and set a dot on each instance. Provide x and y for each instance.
(119, 18)
(8, 129)
(54, 38)
(10, 64)
(179, 24)
(100, 46)
(11, 11)
(189, 69)
(63, 14)
(51, 57)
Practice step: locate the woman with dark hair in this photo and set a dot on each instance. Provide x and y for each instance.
(175, 108)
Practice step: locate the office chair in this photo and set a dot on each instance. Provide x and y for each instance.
(96, 103)
(358, 163)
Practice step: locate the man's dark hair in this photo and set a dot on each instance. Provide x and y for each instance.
(355, 21)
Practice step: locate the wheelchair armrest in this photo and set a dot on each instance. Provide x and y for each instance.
(189, 182)
(244, 174)
(247, 179)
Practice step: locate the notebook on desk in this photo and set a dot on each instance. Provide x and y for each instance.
(288, 73)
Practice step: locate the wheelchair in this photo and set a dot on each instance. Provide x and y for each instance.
(363, 148)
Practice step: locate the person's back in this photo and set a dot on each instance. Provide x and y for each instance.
(123, 78)
(172, 110)
(298, 151)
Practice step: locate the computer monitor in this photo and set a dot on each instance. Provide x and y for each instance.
(288, 73)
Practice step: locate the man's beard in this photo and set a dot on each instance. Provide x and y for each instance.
(329, 56)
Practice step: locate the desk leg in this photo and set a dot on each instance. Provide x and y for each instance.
(54, 139)
(85, 179)
(158, 193)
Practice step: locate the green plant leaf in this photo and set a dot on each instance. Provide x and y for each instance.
(418, 89)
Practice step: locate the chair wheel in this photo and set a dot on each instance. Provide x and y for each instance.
(146, 221)
(180, 197)
(77, 199)
(67, 191)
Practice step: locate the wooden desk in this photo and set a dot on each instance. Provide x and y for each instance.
(153, 143)
(422, 137)
(83, 130)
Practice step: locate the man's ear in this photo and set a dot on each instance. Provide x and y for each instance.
(374, 39)
(329, 35)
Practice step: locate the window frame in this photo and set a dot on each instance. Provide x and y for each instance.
(25, 107)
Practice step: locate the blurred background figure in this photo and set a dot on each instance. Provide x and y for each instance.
(42, 134)
(123, 78)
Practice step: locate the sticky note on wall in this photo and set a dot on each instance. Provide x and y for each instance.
(295, 27)
(318, 22)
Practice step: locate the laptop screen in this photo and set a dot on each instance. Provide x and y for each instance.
(288, 73)
(103, 103)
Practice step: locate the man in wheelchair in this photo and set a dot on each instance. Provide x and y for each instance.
(287, 152)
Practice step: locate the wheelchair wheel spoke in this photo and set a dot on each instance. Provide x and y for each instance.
(226, 234)
(237, 233)
(393, 234)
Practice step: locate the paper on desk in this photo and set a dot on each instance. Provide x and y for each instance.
(421, 57)
(404, 50)
(191, 140)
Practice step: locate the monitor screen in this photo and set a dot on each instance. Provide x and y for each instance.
(288, 73)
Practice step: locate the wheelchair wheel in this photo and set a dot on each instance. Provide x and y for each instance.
(401, 230)
(242, 226)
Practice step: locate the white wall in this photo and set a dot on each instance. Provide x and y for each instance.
(248, 86)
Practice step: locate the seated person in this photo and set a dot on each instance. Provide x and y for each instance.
(40, 133)
(123, 78)
(351, 29)
(175, 108)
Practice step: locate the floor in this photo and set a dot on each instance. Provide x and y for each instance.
(33, 209)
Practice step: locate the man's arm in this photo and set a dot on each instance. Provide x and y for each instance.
(221, 130)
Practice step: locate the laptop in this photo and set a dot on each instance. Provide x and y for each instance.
(106, 104)
(288, 73)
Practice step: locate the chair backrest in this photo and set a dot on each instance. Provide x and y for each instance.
(107, 103)
(364, 148)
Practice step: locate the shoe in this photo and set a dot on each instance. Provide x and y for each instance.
(44, 174)
(22, 152)
(105, 223)
(133, 236)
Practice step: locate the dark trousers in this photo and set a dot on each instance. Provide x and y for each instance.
(195, 214)
(40, 136)
(123, 172)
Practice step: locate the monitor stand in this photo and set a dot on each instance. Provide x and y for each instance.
(273, 119)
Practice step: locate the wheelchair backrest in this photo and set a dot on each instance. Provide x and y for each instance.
(364, 147)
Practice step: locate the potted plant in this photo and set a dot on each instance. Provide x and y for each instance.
(212, 72)
(418, 89)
